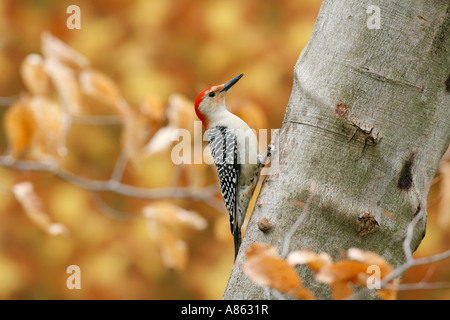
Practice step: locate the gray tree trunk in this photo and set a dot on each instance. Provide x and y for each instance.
(368, 114)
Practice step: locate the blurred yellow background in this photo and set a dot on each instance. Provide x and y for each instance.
(155, 55)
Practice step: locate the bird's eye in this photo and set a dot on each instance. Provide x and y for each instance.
(212, 94)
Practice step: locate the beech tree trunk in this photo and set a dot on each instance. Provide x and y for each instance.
(367, 122)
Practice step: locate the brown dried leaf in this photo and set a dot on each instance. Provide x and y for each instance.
(180, 115)
(140, 128)
(34, 75)
(174, 251)
(341, 290)
(341, 271)
(65, 81)
(55, 49)
(31, 203)
(49, 138)
(370, 258)
(258, 249)
(264, 267)
(153, 109)
(99, 86)
(313, 260)
(161, 141)
(135, 135)
(180, 112)
(353, 270)
(20, 127)
(166, 213)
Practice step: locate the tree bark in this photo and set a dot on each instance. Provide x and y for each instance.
(367, 123)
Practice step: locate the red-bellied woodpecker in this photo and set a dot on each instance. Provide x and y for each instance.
(234, 148)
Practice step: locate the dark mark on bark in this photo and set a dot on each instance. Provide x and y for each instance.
(405, 181)
(341, 111)
(368, 136)
(366, 223)
(447, 84)
(417, 211)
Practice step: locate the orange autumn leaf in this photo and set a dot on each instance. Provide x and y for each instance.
(180, 112)
(313, 260)
(261, 249)
(354, 270)
(342, 276)
(34, 75)
(341, 290)
(32, 205)
(169, 214)
(174, 251)
(153, 108)
(370, 258)
(264, 267)
(65, 81)
(55, 49)
(19, 127)
(163, 219)
(344, 270)
(99, 86)
(49, 138)
(33, 127)
(180, 115)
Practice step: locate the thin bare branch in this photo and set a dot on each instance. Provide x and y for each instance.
(103, 207)
(65, 126)
(410, 261)
(111, 185)
(300, 218)
(120, 166)
(97, 120)
(419, 215)
(7, 101)
(419, 286)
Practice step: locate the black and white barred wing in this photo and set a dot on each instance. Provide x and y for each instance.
(223, 145)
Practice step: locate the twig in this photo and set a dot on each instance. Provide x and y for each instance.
(7, 101)
(66, 124)
(120, 166)
(111, 185)
(418, 286)
(300, 218)
(419, 215)
(217, 204)
(108, 210)
(410, 261)
(384, 283)
(97, 120)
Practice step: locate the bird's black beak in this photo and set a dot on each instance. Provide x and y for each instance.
(227, 86)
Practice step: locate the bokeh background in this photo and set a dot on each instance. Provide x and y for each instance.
(155, 55)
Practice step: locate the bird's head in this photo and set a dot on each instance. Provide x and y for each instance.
(211, 100)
